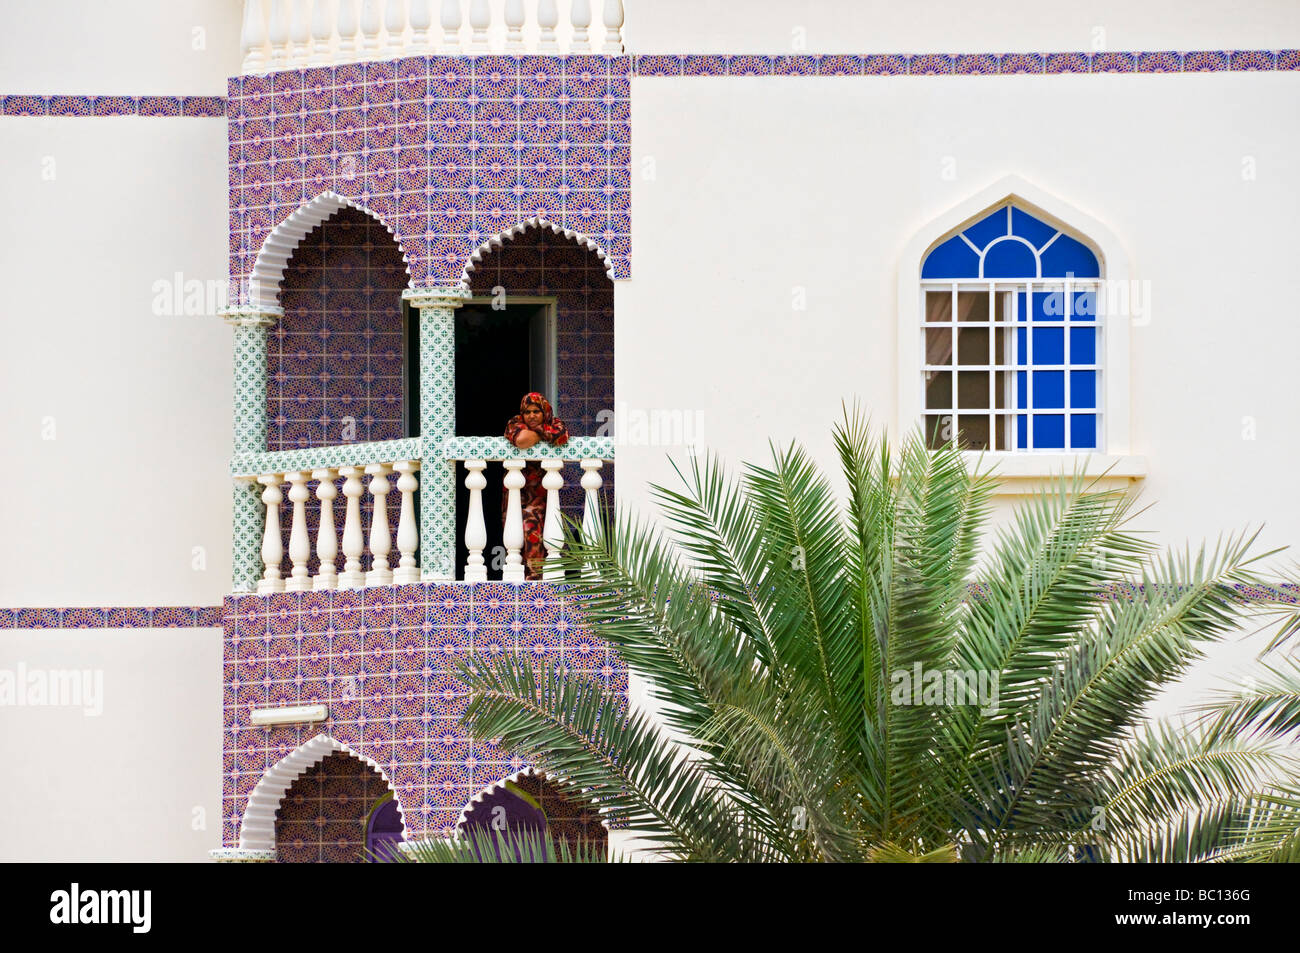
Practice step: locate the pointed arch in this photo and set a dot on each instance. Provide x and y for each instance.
(502, 237)
(1112, 257)
(274, 255)
(257, 827)
(500, 785)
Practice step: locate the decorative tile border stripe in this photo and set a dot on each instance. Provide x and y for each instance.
(966, 64)
(113, 617)
(498, 448)
(314, 458)
(207, 107)
(727, 64)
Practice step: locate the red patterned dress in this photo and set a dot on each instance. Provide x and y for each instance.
(532, 497)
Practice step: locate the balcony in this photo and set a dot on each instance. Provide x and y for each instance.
(325, 552)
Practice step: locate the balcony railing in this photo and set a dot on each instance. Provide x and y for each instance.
(366, 471)
(291, 34)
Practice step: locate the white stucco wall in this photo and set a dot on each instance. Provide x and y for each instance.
(762, 186)
(109, 511)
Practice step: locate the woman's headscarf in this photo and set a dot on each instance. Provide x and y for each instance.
(552, 430)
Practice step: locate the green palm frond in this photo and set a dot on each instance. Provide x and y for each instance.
(772, 622)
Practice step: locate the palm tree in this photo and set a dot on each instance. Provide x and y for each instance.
(808, 660)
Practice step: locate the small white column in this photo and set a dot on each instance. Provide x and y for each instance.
(322, 31)
(553, 531)
(381, 534)
(408, 534)
(252, 37)
(580, 17)
(279, 34)
(347, 29)
(353, 541)
(548, 18)
(513, 533)
(299, 541)
(421, 20)
(327, 541)
(613, 19)
(272, 544)
(370, 21)
(514, 26)
(395, 26)
(449, 20)
(591, 482)
(480, 18)
(299, 32)
(475, 527)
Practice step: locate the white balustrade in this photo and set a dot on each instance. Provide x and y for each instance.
(290, 34)
(377, 539)
(327, 538)
(512, 533)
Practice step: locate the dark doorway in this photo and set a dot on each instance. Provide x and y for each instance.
(501, 355)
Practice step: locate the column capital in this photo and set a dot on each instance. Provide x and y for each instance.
(448, 297)
(251, 316)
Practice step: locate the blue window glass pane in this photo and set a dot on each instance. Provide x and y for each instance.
(1022, 389)
(1049, 431)
(1049, 345)
(1066, 256)
(1084, 305)
(1049, 391)
(1036, 232)
(1083, 431)
(1083, 345)
(1022, 345)
(1083, 389)
(1009, 258)
(989, 228)
(1022, 432)
(1048, 305)
(953, 259)
(1022, 309)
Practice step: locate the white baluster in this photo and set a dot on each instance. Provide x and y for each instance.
(299, 542)
(272, 544)
(327, 540)
(421, 20)
(514, 26)
(513, 534)
(395, 25)
(475, 528)
(449, 19)
(591, 482)
(408, 536)
(347, 29)
(299, 33)
(580, 17)
(252, 37)
(480, 18)
(370, 21)
(279, 34)
(553, 528)
(322, 30)
(548, 17)
(613, 27)
(353, 542)
(381, 535)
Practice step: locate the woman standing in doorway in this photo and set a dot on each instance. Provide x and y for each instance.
(534, 423)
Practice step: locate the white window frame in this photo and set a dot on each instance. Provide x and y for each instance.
(1023, 470)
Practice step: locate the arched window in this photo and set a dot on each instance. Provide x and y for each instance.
(1011, 339)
